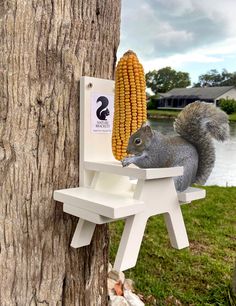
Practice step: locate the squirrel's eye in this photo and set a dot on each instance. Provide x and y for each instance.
(137, 141)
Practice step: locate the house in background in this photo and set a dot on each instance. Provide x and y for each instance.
(180, 97)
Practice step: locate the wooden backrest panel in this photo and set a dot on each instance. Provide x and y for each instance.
(96, 118)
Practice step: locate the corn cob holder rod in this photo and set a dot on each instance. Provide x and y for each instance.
(106, 194)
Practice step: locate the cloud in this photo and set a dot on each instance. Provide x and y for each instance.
(205, 55)
(161, 28)
(177, 61)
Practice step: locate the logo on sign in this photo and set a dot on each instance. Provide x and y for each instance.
(103, 111)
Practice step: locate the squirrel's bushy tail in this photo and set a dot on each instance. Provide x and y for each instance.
(198, 123)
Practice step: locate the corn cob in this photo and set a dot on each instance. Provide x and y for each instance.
(130, 109)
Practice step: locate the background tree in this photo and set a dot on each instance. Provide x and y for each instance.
(45, 46)
(165, 79)
(214, 78)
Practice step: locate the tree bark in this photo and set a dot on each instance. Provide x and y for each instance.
(45, 46)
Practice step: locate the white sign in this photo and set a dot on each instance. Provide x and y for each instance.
(102, 110)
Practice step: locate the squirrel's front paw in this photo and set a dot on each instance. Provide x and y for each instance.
(126, 161)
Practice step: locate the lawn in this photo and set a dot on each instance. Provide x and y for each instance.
(198, 275)
(160, 113)
(232, 117)
(157, 113)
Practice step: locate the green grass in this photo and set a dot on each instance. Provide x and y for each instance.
(163, 113)
(198, 275)
(160, 113)
(232, 117)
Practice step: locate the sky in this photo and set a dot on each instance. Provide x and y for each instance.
(193, 36)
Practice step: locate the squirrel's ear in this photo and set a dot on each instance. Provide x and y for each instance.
(144, 124)
(148, 131)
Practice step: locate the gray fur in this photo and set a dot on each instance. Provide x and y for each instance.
(194, 150)
(198, 123)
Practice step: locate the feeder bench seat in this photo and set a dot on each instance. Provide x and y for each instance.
(191, 194)
(95, 202)
(101, 207)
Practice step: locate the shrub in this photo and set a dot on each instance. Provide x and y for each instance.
(153, 103)
(228, 105)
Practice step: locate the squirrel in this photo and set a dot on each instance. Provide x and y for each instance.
(103, 111)
(196, 124)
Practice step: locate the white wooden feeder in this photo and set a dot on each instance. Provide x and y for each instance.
(109, 192)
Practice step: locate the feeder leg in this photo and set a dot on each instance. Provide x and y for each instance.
(176, 228)
(130, 242)
(83, 233)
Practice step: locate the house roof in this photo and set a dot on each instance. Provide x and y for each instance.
(200, 92)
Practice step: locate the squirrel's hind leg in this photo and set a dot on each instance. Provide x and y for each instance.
(189, 176)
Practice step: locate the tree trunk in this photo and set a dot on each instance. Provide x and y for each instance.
(46, 45)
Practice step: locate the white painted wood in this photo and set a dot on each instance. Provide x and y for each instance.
(102, 203)
(107, 193)
(113, 184)
(191, 194)
(130, 243)
(160, 197)
(176, 228)
(85, 214)
(133, 171)
(83, 233)
(93, 147)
